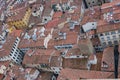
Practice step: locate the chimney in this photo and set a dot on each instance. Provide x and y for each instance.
(116, 59)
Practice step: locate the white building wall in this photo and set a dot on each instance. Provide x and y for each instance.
(105, 39)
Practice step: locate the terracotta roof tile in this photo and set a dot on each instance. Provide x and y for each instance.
(75, 63)
(103, 24)
(7, 46)
(52, 23)
(21, 12)
(42, 57)
(109, 5)
(86, 46)
(108, 58)
(76, 74)
(57, 15)
(91, 16)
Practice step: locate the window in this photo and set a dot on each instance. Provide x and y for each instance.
(14, 47)
(108, 38)
(110, 43)
(13, 57)
(104, 65)
(16, 60)
(14, 44)
(102, 39)
(114, 37)
(118, 31)
(113, 32)
(45, 19)
(119, 36)
(66, 46)
(89, 3)
(115, 42)
(104, 44)
(16, 52)
(107, 33)
(101, 34)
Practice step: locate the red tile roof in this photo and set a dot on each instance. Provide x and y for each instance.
(108, 58)
(71, 38)
(20, 12)
(89, 17)
(85, 46)
(75, 74)
(7, 46)
(52, 23)
(45, 76)
(103, 24)
(57, 15)
(75, 63)
(111, 4)
(43, 57)
(17, 33)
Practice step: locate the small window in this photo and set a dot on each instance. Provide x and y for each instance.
(78, 56)
(114, 37)
(118, 31)
(110, 43)
(107, 33)
(101, 34)
(13, 57)
(14, 47)
(113, 32)
(45, 19)
(34, 11)
(15, 44)
(102, 39)
(108, 38)
(104, 43)
(16, 60)
(115, 42)
(104, 65)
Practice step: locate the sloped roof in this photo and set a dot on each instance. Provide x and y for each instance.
(76, 74)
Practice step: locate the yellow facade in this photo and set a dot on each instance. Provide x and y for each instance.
(23, 22)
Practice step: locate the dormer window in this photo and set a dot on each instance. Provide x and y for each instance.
(34, 11)
(104, 65)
